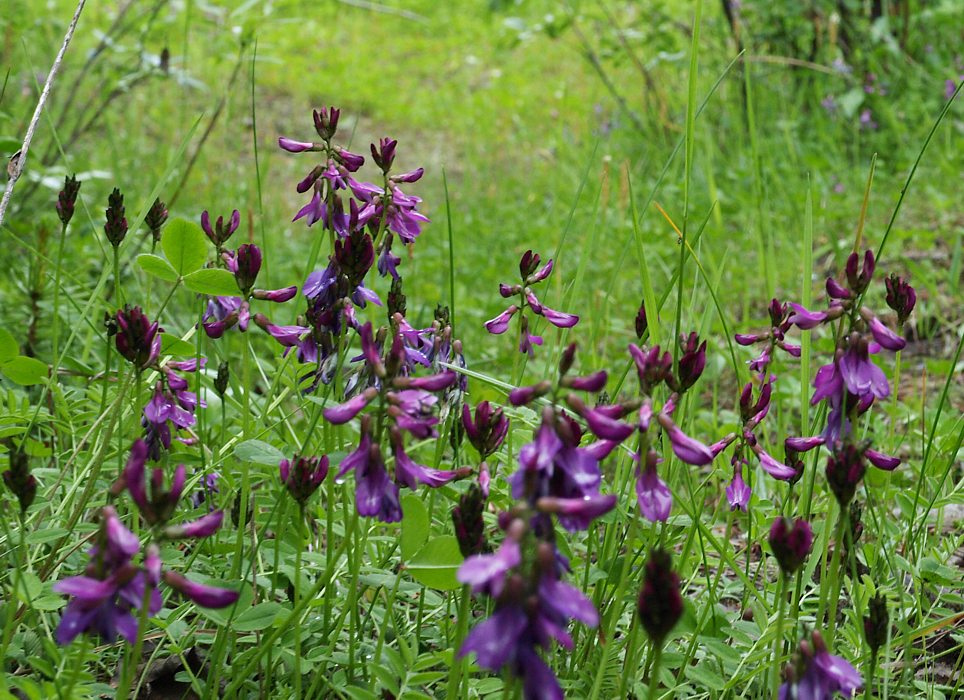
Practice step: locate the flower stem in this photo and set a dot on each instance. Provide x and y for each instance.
(835, 575)
(124, 688)
(455, 674)
(778, 635)
(297, 626)
(869, 688)
(654, 670)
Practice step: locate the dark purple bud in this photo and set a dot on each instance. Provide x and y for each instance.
(221, 380)
(901, 297)
(540, 274)
(116, 226)
(859, 281)
(138, 340)
(528, 264)
(326, 122)
(309, 179)
(653, 367)
(778, 313)
(508, 291)
(397, 301)
(660, 604)
(791, 542)
(303, 475)
(67, 199)
(384, 153)
(876, 623)
(468, 523)
(691, 362)
(845, 469)
(567, 358)
(488, 430)
(641, 323)
(156, 216)
(220, 232)
(248, 259)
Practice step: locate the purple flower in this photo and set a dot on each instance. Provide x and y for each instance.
(578, 512)
(652, 494)
(102, 600)
(860, 376)
(885, 337)
(486, 572)
(158, 506)
(692, 361)
(867, 120)
(687, 449)
(500, 323)
(772, 467)
(409, 473)
(817, 674)
(345, 412)
(804, 319)
(738, 493)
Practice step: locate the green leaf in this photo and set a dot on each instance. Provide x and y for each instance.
(258, 452)
(185, 246)
(435, 564)
(9, 347)
(702, 674)
(260, 617)
(172, 345)
(415, 525)
(156, 266)
(46, 535)
(219, 283)
(25, 370)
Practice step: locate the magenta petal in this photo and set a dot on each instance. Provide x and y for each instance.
(688, 449)
(886, 337)
(653, 496)
(293, 146)
(500, 323)
(882, 461)
(205, 596)
(775, 468)
(804, 319)
(346, 411)
(558, 318)
(804, 444)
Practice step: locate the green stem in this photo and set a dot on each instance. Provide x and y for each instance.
(124, 688)
(380, 642)
(297, 626)
(835, 576)
(455, 674)
(56, 313)
(10, 625)
(628, 668)
(778, 635)
(869, 688)
(117, 297)
(654, 670)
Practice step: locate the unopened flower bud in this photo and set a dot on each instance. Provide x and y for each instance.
(859, 280)
(221, 380)
(116, 226)
(876, 623)
(641, 322)
(692, 361)
(901, 297)
(468, 523)
(18, 478)
(568, 357)
(528, 263)
(791, 542)
(384, 153)
(156, 216)
(845, 469)
(67, 199)
(660, 604)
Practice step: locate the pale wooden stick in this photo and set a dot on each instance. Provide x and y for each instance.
(16, 166)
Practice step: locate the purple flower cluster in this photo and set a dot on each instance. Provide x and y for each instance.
(112, 589)
(384, 210)
(531, 274)
(225, 312)
(171, 407)
(404, 404)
